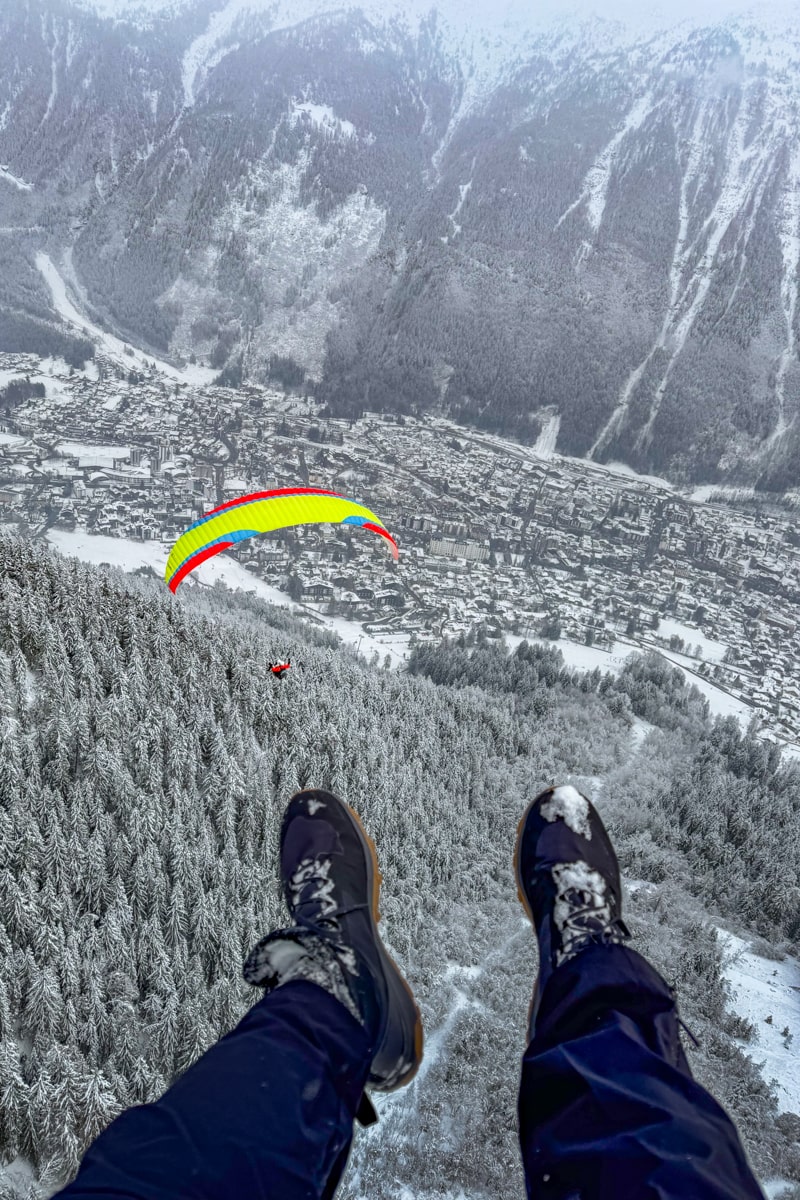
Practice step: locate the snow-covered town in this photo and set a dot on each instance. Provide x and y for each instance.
(514, 541)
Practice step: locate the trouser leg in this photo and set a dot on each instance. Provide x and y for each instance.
(608, 1106)
(266, 1113)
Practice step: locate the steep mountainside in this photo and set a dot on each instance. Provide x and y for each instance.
(145, 761)
(582, 215)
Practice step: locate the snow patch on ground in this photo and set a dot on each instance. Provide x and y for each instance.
(775, 1188)
(323, 116)
(111, 345)
(762, 988)
(23, 186)
(618, 468)
(595, 185)
(703, 494)
(117, 552)
(545, 446)
(89, 455)
(639, 731)
(720, 702)
(710, 650)
(295, 259)
(456, 969)
(639, 885)
(391, 642)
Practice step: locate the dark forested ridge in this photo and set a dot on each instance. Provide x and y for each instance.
(605, 228)
(145, 759)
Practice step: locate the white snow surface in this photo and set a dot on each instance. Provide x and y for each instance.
(710, 650)
(761, 988)
(702, 494)
(720, 702)
(15, 180)
(545, 446)
(595, 185)
(789, 231)
(482, 13)
(639, 732)
(618, 468)
(567, 802)
(323, 116)
(775, 1188)
(111, 345)
(87, 454)
(488, 39)
(580, 657)
(204, 52)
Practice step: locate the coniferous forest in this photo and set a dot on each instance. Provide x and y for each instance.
(146, 757)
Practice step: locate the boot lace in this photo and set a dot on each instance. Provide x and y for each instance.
(583, 918)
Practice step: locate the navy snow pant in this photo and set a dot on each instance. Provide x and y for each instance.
(608, 1108)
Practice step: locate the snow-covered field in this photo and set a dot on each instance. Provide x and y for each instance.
(87, 454)
(117, 552)
(579, 657)
(721, 703)
(586, 658)
(702, 494)
(323, 116)
(52, 372)
(710, 650)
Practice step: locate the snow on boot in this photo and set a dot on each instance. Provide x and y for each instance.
(568, 881)
(331, 884)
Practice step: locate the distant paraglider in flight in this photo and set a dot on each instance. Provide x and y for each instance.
(262, 512)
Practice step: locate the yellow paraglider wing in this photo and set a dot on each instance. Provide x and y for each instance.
(261, 512)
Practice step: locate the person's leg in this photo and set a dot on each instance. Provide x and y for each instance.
(607, 1104)
(268, 1112)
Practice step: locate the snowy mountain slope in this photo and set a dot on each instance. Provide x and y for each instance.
(766, 992)
(597, 218)
(169, 889)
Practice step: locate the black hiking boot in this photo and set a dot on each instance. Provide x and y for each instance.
(331, 884)
(568, 881)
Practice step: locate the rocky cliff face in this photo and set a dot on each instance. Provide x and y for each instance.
(413, 211)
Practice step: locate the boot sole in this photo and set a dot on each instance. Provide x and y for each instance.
(401, 995)
(520, 890)
(521, 893)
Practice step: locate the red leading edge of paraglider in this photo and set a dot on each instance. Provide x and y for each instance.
(289, 491)
(195, 561)
(384, 533)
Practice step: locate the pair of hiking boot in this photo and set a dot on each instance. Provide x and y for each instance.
(568, 882)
